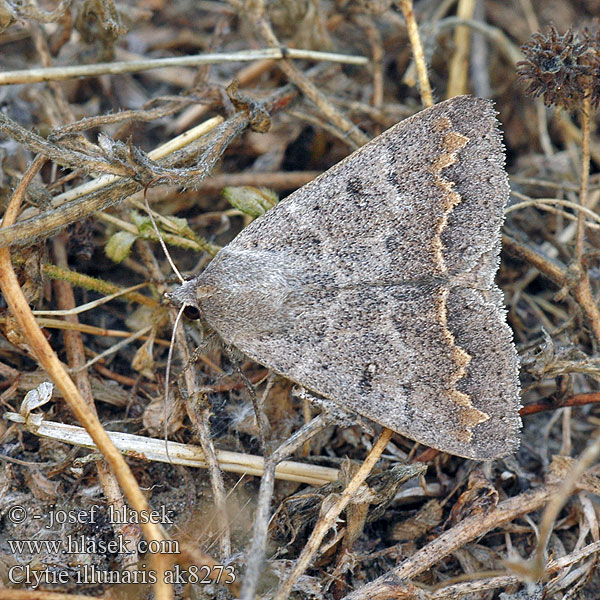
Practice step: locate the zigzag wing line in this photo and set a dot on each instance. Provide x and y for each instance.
(453, 142)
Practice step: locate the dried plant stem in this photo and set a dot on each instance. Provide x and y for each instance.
(328, 520)
(277, 180)
(509, 50)
(550, 268)
(202, 424)
(583, 294)
(177, 143)
(49, 361)
(480, 57)
(103, 197)
(138, 335)
(577, 400)
(458, 590)
(180, 454)
(136, 66)
(244, 76)
(60, 154)
(320, 123)
(308, 88)
(536, 566)
(97, 285)
(390, 586)
(542, 202)
(543, 133)
(582, 290)
(78, 367)
(88, 329)
(585, 174)
(377, 57)
(459, 65)
(417, 48)
(53, 220)
(77, 310)
(256, 552)
(570, 132)
(197, 244)
(200, 413)
(162, 151)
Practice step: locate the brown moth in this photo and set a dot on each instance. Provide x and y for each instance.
(373, 285)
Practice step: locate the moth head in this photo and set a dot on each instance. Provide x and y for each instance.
(187, 296)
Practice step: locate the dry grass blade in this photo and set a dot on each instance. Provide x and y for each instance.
(117, 68)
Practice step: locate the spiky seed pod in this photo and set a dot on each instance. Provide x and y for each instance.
(557, 67)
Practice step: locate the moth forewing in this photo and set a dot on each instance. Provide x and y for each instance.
(373, 285)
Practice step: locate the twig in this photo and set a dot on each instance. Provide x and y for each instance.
(581, 290)
(244, 76)
(53, 220)
(162, 151)
(196, 244)
(202, 425)
(59, 154)
(256, 553)
(540, 202)
(464, 532)
(107, 289)
(577, 400)
(181, 454)
(459, 590)
(194, 407)
(117, 68)
(89, 329)
(543, 134)
(480, 57)
(417, 48)
(78, 367)
(583, 294)
(19, 307)
(319, 122)
(570, 132)
(77, 310)
(554, 185)
(458, 71)
(585, 174)
(534, 568)
(500, 39)
(546, 266)
(328, 520)
(377, 57)
(278, 180)
(303, 83)
(114, 348)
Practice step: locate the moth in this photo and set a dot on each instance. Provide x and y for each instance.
(373, 285)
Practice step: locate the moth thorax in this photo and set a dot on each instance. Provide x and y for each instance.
(188, 293)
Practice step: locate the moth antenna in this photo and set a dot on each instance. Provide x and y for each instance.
(160, 239)
(168, 376)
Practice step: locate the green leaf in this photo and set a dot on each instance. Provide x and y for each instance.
(119, 245)
(250, 200)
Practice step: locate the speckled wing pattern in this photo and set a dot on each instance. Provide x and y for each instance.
(373, 285)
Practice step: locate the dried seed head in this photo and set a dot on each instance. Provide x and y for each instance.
(559, 67)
